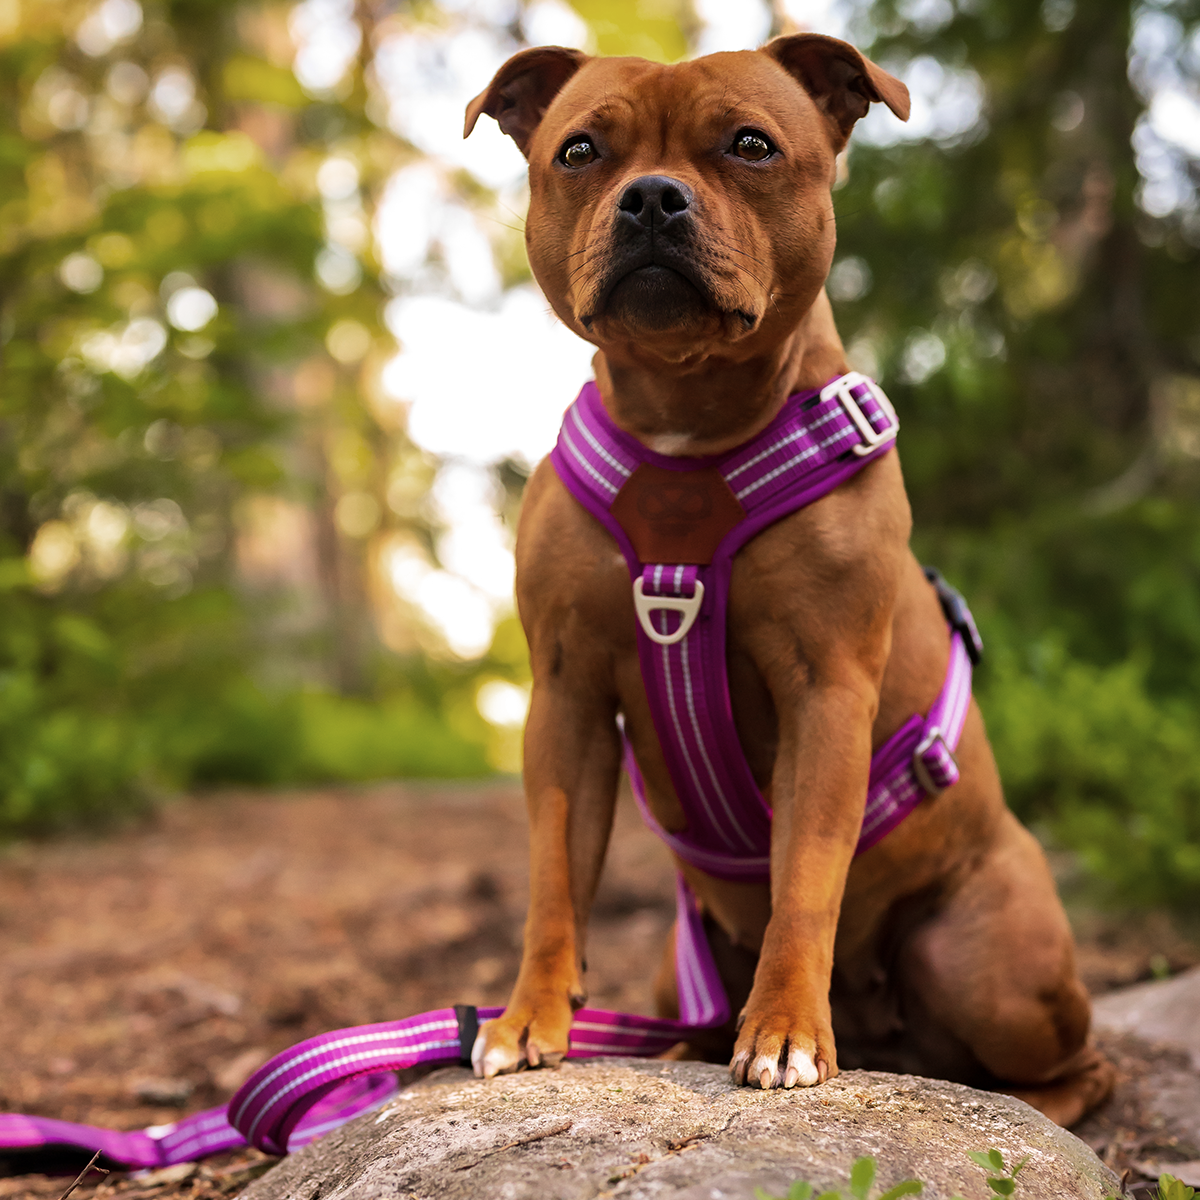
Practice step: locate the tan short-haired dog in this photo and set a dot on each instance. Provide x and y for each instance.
(681, 220)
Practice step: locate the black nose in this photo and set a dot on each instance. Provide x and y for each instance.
(655, 199)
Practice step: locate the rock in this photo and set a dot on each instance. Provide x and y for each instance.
(1167, 1012)
(1152, 1032)
(639, 1129)
(1185, 1172)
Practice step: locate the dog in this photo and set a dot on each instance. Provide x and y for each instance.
(681, 220)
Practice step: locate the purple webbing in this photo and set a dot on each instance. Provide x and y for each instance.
(802, 455)
(894, 790)
(197, 1136)
(325, 1081)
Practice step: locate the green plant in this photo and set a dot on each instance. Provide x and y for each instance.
(1004, 1183)
(862, 1177)
(1170, 1188)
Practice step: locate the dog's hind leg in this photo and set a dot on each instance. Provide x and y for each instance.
(994, 967)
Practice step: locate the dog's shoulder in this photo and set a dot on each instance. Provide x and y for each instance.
(567, 560)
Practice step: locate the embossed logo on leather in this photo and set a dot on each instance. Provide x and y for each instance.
(672, 507)
(676, 516)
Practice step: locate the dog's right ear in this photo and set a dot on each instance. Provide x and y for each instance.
(522, 90)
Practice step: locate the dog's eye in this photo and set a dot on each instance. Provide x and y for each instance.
(578, 153)
(752, 145)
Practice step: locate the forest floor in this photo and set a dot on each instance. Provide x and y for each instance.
(147, 972)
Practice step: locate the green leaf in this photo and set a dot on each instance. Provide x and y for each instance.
(1019, 1167)
(1170, 1188)
(862, 1175)
(910, 1187)
(763, 1194)
(996, 1159)
(980, 1157)
(1002, 1187)
(800, 1190)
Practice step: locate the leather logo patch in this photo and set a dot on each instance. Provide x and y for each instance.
(674, 506)
(676, 516)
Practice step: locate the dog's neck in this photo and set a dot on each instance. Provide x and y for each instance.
(722, 403)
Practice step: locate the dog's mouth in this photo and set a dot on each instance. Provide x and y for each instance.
(657, 292)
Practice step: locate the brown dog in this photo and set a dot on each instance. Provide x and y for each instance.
(943, 950)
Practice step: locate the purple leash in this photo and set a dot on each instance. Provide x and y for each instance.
(327, 1080)
(324, 1082)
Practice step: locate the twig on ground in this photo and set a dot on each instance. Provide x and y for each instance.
(79, 1177)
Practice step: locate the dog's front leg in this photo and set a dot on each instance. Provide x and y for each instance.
(820, 784)
(572, 761)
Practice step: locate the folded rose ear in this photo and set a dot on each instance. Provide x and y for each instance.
(843, 82)
(522, 90)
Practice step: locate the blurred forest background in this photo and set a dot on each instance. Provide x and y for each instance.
(272, 375)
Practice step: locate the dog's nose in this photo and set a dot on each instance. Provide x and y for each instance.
(655, 199)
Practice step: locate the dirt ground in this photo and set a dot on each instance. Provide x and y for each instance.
(145, 974)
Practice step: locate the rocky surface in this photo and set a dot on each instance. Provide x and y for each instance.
(636, 1130)
(1165, 1012)
(1152, 1032)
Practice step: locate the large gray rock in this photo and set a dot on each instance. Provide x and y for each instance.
(1166, 1012)
(636, 1130)
(1152, 1032)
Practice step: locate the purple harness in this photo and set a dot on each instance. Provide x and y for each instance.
(651, 504)
(679, 522)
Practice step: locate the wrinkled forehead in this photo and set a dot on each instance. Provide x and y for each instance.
(736, 87)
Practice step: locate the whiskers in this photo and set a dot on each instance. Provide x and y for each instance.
(585, 274)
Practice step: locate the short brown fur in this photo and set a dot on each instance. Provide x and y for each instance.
(943, 949)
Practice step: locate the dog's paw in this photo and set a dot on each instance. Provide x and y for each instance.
(517, 1040)
(779, 1052)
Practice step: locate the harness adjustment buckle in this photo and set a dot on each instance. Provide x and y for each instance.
(687, 606)
(872, 438)
(934, 764)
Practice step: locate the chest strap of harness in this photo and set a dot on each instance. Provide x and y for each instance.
(679, 522)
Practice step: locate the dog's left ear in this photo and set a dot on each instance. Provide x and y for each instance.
(522, 90)
(843, 82)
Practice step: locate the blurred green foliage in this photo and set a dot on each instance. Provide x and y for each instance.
(1037, 328)
(1030, 305)
(189, 348)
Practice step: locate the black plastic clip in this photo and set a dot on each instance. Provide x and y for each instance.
(467, 1016)
(958, 615)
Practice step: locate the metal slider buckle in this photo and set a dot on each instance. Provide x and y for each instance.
(687, 606)
(920, 770)
(872, 438)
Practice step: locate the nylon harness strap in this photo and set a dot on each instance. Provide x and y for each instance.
(679, 522)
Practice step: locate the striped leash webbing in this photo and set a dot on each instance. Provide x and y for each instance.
(322, 1083)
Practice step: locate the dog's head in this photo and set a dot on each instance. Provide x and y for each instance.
(685, 208)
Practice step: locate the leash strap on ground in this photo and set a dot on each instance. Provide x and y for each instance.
(324, 1082)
